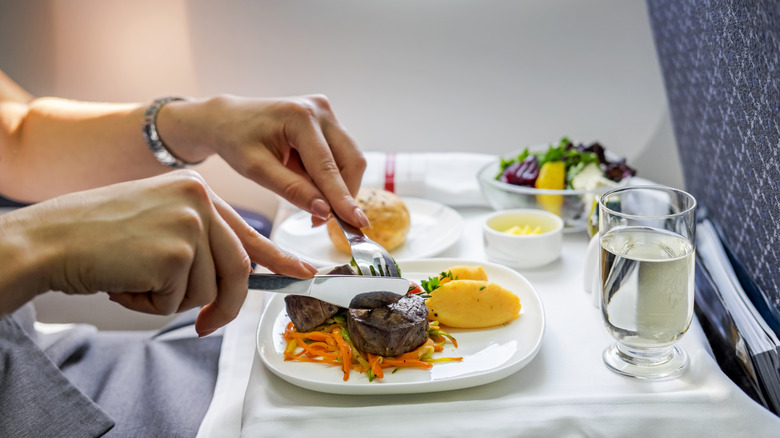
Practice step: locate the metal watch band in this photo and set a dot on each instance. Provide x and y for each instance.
(152, 138)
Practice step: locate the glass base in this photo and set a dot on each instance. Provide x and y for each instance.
(648, 364)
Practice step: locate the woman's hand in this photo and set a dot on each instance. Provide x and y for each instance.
(158, 245)
(296, 147)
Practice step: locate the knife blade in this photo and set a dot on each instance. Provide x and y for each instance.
(334, 289)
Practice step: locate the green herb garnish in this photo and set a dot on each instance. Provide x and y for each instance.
(430, 284)
(433, 283)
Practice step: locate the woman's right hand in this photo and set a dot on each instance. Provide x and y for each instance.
(295, 147)
(158, 245)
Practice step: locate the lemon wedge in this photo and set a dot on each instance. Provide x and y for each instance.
(552, 175)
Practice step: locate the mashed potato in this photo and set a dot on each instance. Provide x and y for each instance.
(463, 297)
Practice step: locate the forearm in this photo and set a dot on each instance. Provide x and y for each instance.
(24, 260)
(54, 146)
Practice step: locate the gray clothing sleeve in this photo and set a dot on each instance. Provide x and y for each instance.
(36, 399)
(81, 381)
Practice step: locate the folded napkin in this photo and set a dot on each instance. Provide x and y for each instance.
(446, 177)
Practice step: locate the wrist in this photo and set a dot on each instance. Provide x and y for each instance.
(27, 261)
(179, 127)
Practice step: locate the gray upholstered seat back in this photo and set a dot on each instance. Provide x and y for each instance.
(721, 66)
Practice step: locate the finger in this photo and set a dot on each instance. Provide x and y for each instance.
(260, 249)
(348, 156)
(321, 166)
(202, 279)
(162, 297)
(294, 164)
(151, 302)
(232, 268)
(140, 302)
(293, 183)
(345, 151)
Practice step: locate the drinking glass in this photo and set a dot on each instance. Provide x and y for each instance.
(647, 238)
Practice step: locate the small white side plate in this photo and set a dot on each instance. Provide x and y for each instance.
(434, 227)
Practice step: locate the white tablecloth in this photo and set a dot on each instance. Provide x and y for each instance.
(565, 391)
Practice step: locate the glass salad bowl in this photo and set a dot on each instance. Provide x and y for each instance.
(574, 206)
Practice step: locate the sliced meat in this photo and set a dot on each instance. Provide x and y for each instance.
(307, 313)
(372, 300)
(342, 270)
(394, 327)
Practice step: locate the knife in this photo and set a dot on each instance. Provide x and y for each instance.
(333, 289)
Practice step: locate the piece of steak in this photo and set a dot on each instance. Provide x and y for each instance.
(342, 270)
(307, 313)
(373, 300)
(387, 324)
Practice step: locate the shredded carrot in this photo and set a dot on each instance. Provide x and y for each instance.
(345, 352)
(375, 365)
(331, 345)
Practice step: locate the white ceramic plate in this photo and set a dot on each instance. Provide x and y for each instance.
(488, 354)
(434, 227)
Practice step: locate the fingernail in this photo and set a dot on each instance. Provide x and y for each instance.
(309, 267)
(320, 208)
(361, 218)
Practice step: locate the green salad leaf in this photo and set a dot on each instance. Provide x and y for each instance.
(576, 160)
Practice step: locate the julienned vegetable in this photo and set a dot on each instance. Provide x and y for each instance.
(543, 170)
(330, 344)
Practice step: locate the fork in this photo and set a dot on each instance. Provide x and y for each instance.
(371, 258)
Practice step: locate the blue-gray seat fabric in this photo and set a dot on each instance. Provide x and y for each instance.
(720, 61)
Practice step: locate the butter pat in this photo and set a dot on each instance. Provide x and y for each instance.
(525, 229)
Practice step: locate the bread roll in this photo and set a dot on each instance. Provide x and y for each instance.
(389, 219)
